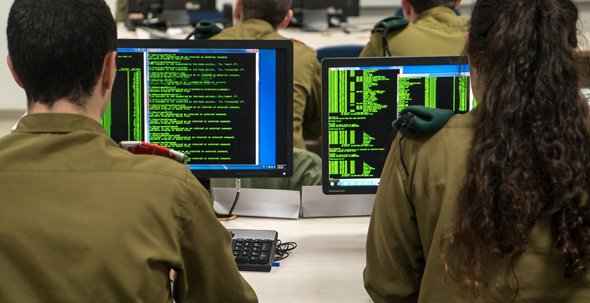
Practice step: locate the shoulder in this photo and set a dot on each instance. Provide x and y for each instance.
(301, 49)
(305, 58)
(149, 165)
(448, 135)
(390, 24)
(206, 29)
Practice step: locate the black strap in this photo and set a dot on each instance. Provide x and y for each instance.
(386, 52)
(406, 120)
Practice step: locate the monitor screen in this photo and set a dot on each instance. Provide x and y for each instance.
(144, 6)
(227, 105)
(340, 7)
(191, 5)
(361, 97)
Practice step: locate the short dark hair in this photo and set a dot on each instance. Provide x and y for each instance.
(271, 11)
(58, 48)
(423, 5)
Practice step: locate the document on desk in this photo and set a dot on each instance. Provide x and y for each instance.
(254, 202)
(315, 203)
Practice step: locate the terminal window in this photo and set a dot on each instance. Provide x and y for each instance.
(207, 103)
(363, 103)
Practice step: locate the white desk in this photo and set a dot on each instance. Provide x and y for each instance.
(326, 266)
(316, 40)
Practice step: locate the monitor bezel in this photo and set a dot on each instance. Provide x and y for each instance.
(361, 62)
(286, 45)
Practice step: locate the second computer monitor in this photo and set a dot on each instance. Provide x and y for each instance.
(226, 104)
(361, 97)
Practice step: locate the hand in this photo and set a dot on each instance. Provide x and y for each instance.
(135, 16)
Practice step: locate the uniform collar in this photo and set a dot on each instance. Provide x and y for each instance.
(58, 123)
(439, 13)
(258, 25)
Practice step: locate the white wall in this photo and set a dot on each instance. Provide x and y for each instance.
(13, 97)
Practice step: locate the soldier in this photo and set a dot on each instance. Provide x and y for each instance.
(430, 28)
(81, 219)
(261, 19)
(493, 206)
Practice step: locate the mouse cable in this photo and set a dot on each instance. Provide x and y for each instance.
(282, 250)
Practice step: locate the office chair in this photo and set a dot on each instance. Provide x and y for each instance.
(339, 51)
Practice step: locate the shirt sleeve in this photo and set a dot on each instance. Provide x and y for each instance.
(395, 258)
(374, 48)
(307, 89)
(312, 117)
(209, 272)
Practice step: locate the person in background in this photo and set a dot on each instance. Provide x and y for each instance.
(307, 171)
(81, 219)
(261, 19)
(430, 28)
(121, 12)
(494, 207)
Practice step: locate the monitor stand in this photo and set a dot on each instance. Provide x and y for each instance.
(315, 20)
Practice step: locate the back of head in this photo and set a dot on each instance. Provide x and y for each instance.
(423, 5)
(530, 157)
(57, 48)
(271, 11)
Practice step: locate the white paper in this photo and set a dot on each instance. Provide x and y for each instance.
(254, 202)
(315, 203)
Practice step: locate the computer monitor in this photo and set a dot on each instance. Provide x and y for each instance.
(318, 15)
(335, 7)
(191, 5)
(361, 97)
(144, 6)
(226, 104)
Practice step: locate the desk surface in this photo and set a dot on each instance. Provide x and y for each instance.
(326, 266)
(335, 36)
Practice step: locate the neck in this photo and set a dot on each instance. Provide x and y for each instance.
(412, 16)
(63, 106)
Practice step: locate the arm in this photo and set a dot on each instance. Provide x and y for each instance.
(374, 48)
(312, 117)
(306, 96)
(395, 259)
(209, 272)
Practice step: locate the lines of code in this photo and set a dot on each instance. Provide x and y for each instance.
(435, 92)
(361, 109)
(126, 100)
(197, 99)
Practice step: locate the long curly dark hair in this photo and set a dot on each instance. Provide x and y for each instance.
(530, 156)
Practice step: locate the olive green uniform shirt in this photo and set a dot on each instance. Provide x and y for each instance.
(307, 85)
(121, 12)
(412, 212)
(82, 220)
(307, 171)
(436, 32)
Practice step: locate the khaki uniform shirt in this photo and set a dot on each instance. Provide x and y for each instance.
(436, 32)
(82, 220)
(307, 83)
(307, 171)
(121, 12)
(411, 213)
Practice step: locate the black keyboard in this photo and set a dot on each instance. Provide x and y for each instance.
(254, 250)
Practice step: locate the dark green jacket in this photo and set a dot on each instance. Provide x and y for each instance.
(411, 213)
(307, 83)
(436, 32)
(82, 220)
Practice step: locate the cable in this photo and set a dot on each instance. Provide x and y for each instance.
(282, 250)
(238, 186)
